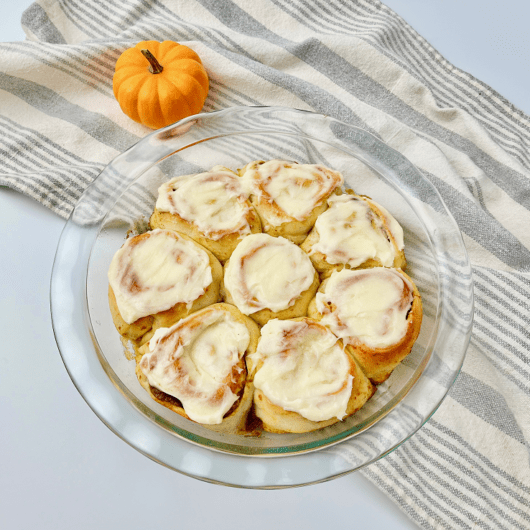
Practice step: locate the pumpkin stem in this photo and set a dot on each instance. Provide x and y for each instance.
(154, 66)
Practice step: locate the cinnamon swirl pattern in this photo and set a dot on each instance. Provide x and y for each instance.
(309, 311)
(209, 207)
(377, 311)
(355, 232)
(269, 277)
(304, 377)
(197, 367)
(289, 196)
(157, 278)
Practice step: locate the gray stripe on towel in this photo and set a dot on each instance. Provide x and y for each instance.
(37, 21)
(320, 57)
(46, 100)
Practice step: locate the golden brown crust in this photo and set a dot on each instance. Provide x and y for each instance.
(133, 331)
(293, 229)
(278, 420)
(142, 329)
(320, 261)
(235, 419)
(325, 269)
(298, 309)
(378, 363)
(221, 248)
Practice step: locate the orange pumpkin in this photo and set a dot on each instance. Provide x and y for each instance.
(159, 83)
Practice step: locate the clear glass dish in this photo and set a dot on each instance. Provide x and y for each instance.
(120, 201)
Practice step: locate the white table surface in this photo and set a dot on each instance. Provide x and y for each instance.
(61, 468)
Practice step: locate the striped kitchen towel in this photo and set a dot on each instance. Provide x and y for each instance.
(356, 60)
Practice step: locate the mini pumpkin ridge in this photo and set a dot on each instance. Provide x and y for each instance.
(171, 86)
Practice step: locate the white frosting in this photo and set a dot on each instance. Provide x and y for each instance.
(305, 370)
(350, 232)
(293, 190)
(369, 306)
(194, 360)
(156, 270)
(267, 272)
(393, 225)
(213, 201)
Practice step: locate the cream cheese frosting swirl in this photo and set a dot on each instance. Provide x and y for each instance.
(214, 201)
(292, 190)
(351, 233)
(302, 368)
(154, 271)
(368, 306)
(199, 361)
(266, 272)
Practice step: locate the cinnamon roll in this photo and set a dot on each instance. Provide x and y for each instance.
(269, 277)
(197, 367)
(304, 377)
(355, 232)
(289, 196)
(378, 312)
(157, 278)
(209, 207)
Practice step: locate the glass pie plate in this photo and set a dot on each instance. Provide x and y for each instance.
(119, 203)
